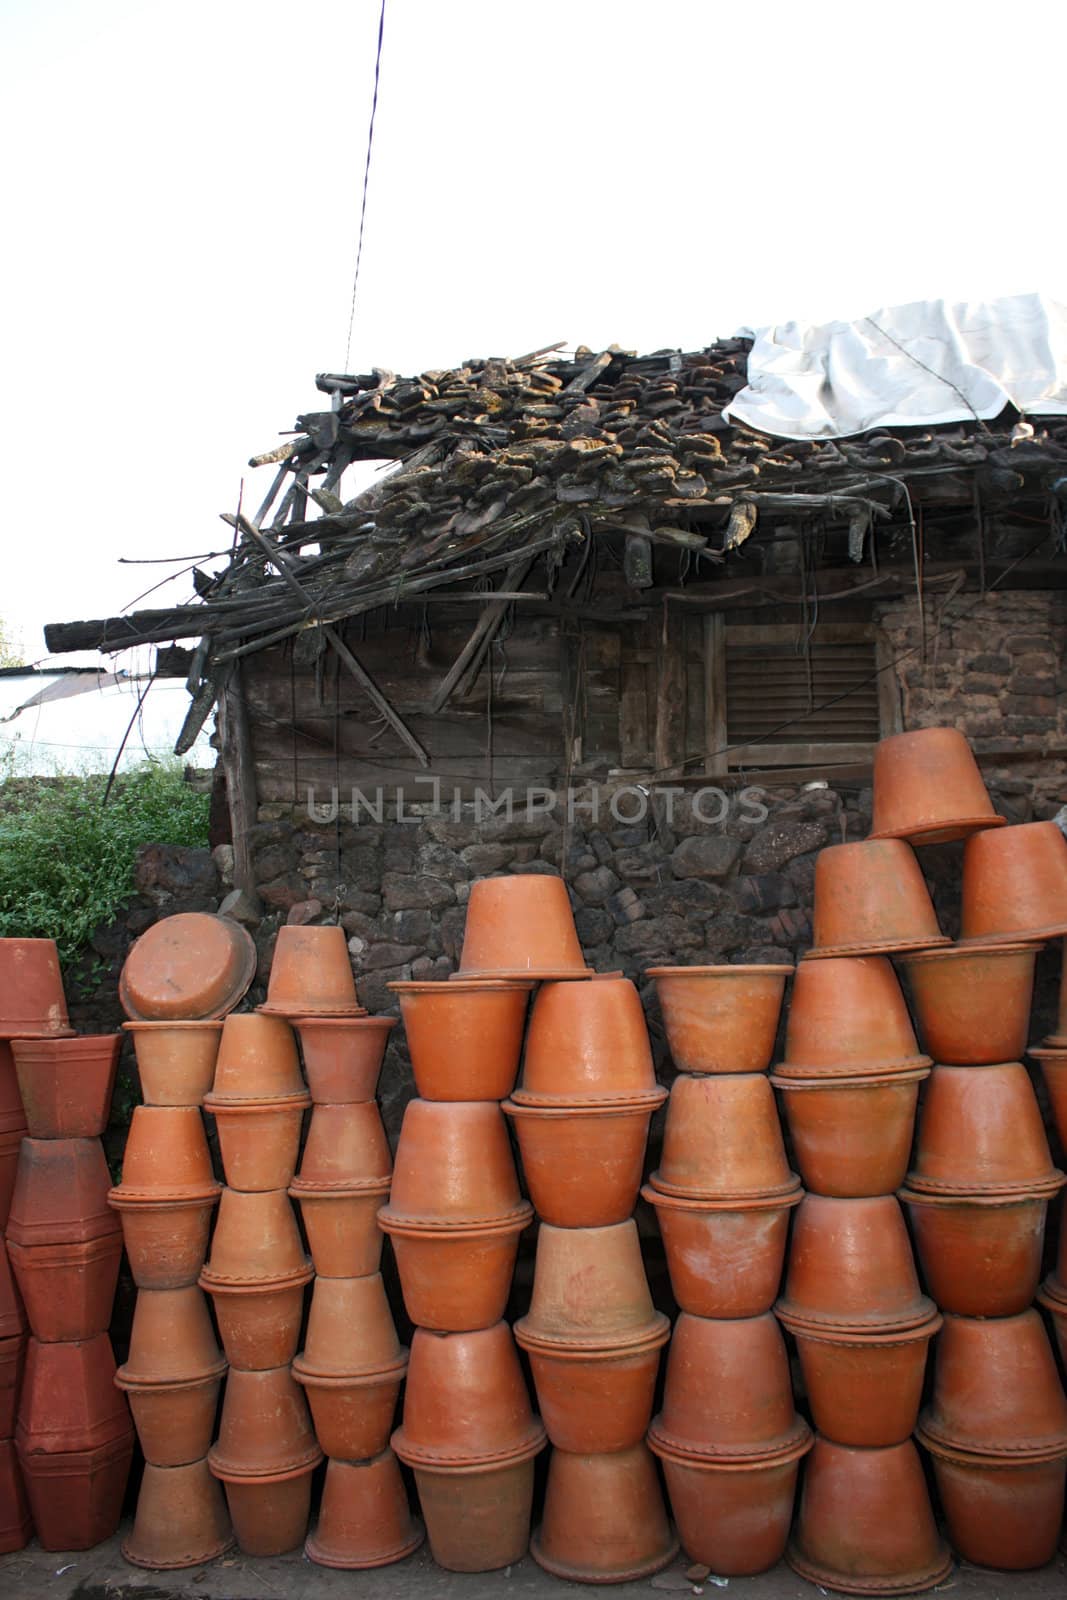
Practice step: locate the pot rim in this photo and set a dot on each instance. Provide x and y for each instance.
(597, 1347)
(827, 1323)
(190, 1559)
(88, 1044)
(960, 828)
(622, 1099)
(882, 1080)
(513, 1221)
(920, 1197)
(875, 947)
(125, 1379)
(458, 985)
(1053, 1296)
(639, 1105)
(677, 1192)
(525, 1449)
(309, 1189)
(1036, 1188)
(846, 1341)
(162, 1199)
(736, 970)
(1053, 930)
(11, 1029)
(849, 1583)
(1054, 1044)
(993, 1461)
(803, 1070)
(321, 1555)
(796, 1443)
(362, 1378)
(229, 1104)
(961, 949)
(219, 1467)
(211, 1024)
(524, 974)
(672, 1202)
(227, 1283)
(643, 1569)
(307, 1012)
(385, 1024)
(1022, 1450)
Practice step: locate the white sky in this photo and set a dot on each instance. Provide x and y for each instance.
(182, 187)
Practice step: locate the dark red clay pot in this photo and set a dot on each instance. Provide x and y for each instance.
(865, 1525)
(465, 1037)
(723, 1141)
(259, 1141)
(996, 1389)
(980, 1254)
(166, 1240)
(12, 1360)
(9, 1156)
(587, 1042)
(1000, 1513)
(928, 789)
(1053, 1064)
(604, 1519)
(455, 1280)
(981, 1133)
(594, 1401)
(848, 1016)
(61, 1193)
(724, 1257)
(16, 1524)
(181, 1519)
(76, 1496)
(342, 1227)
(343, 1056)
(454, 1165)
(32, 1002)
(973, 1002)
(173, 1375)
(1014, 884)
(364, 1519)
(864, 1389)
(69, 1402)
(870, 899)
(265, 1427)
(191, 967)
(68, 1289)
(851, 1267)
(346, 1148)
(590, 1289)
(852, 1136)
(12, 1116)
(478, 1517)
(733, 1518)
(721, 1019)
(270, 1512)
(351, 1367)
(175, 1060)
(583, 1163)
(311, 975)
(466, 1402)
(12, 1316)
(521, 926)
(167, 1156)
(66, 1084)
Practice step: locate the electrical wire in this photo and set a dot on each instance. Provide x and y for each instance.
(366, 181)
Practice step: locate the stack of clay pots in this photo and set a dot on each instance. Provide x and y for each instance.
(728, 1435)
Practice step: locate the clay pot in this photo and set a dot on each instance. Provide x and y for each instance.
(466, 1402)
(851, 1268)
(175, 1422)
(455, 1280)
(724, 1257)
(973, 1003)
(728, 1394)
(852, 1136)
(346, 1149)
(259, 1141)
(871, 898)
(175, 1060)
(311, 975)
(1014, 884)
(66, 1084)
(61, 1193)
(353, 1415)
(256, 1239)
(76, 1496)
(270, 1511)
(32, 1002)
(453, 1165)
(12, 1360)
(1053, 1064)
(352, 1366)
(181, 1519)
(265, 1427)
(981, 1133)
(996, 1389)
(583, 1164)
(865, 1524)
(723, 1141)
(166, 1240)
(12, 1116)
(590, 1288)
(343, 1055)
(721, 1019)
(521, 926)
(257, 1061)
(848, 1017)
(733, 1518)
(364, 1519)
(465, 1037)
(596, 1400)
(166, 1156)
(477, 1517)
(16, 1524)
(980, 1254)
(928, 789)
(171, 1340)
(587, 1042)
(342, 1228)
(12, 1317)
(864, 1389)
(1000, 1513)
(68, 1289)
(604, 1518)
(191, 967)
(69, 1401)
(9, 1156)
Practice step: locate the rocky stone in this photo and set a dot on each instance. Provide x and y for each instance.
(409, 927)
(361, 900)
(451, 928)
(764, 892)
(626, 906)
(283, 892)
(593, 926)
(712, 857)
(388, 954)
(597, 886)
(439, 861)
(601, 847)
(168, 872)
(303, 913)
(401, 853)
(415, 892)
(729, 932)
(537, 867)
(641, 864)
(484, 859)
(665, 934)
(690, 897)
(778, 842)
(222, 855)
(273, 862)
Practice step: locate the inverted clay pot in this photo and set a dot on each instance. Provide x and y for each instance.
(12, 1316)
(166, 1156)
(343, 1055)
(724, 1257)
(257, 1060)
(342, 1228)
(68, 1289)
(364, 1519)
(311, 975)
(852, 1136)
(466, 1402)
(596, 1400)
(587, 1042)
(269, 1512)
(188, 968)
(32, 1002)
(848, 1016)
(1000, 1513)
(455, 1279)
(928, 789)
(259, 1141)
(61, 1193)
(465, 1037)
(256, 1239)
(981, 1132)
(256, 1277)
(996, 1389)
(734, 1516)
(166, 1240)
(12, 1115)
(346, 1148)
(66, 1084)
(590, 1288)
(721, 1019)
(76, 1496)
(871, 898)
(723, 1140)
(477, 1517)
(181, 1519)
(69, 1401)
(604, 1518)
(864, 1389)
(1014, 884)
(175, 1060)
(454, 1165)
(583, 1163)
(973, 1002)
(865, 1525)
(12, 1360)
(16, 1524)
(1053, 1064)
(851, 1267)
(351, 1367)
(265, 1427)
(980, 1254)
(171, 1340)
(175, 1422)
(521, 926)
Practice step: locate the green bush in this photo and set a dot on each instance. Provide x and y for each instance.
(67, 860)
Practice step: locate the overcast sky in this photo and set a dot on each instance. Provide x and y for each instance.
(183, 190)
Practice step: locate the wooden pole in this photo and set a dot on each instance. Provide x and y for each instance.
(238, 764)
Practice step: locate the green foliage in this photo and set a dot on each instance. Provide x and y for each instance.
(67, 861)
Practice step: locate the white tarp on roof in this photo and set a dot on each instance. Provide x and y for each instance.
(907, 366)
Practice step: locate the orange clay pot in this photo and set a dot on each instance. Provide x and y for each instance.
(1053, 1064)
(865, 1524)
(342, 1228)
(980, 1254)
(455, 1280)
(727, 1394)
(1014, 884)
(466, 1402)
(12, 1360)
(175, 1422)
(181, 1519)
(465, 1037)
(32, 1002)
(604, 1518)
(587, 1042)
(188, 968)
(172, 1375)
(1000, 1513)
(259, 1141)
(721, 1019)
(865, 1388)
(852, 1136)
(724, 1257)
(257, 1060)
(848, 1017)
(311, 975)
(61, 1193)
(596, 1400)
(76, 1496)
(590, 1288)
(364, 1519)
(270, 1511)
(723, 1141)
(343, 1055)
(175, 1060)
(981, 1133)
(733, 1517)
(973, 1003)
(166, 1156)
(928, 789)
(996, 1389)
(66, 1084)
(453, 1165)
(69, 1401)
(265, 1427)
(16, 1524)
(352, 1367)
(346, 1148)
(851, 1268)
(478, 1517)
(871, 898)
(166, 1240)
(521, 926)
(68, 1289)
(583, 1164)
(256, 1239)
(259, 1323)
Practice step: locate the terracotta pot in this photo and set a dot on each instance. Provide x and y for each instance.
(12, 1116)
(721, 1019)
(16, 1524)
(69, 1401)
(259, 1323)
(604, 1518)
(66, 1084)
(465, 1037)
(1014, 884)
(171, 1340)
(864, 1389)
(454, 1165)
(590, 1289)
(166, 1156)
(733, 1518)
(596, 1400)
(175, 1422)
(175, 1060)
(76, 1496)
(928, 789)
(166, 1240)
(724, 1257)
(270, 1512)
(353, 1416)
(849, 1017)
(466, 1402)
(346, 1148)
(723, 1141)
(1053, 1064)
(865, 1524)
(871, 898)
(9, 1156)
(980, 1254)
(191, 967)
(852, 1136)
(12, 1360)
(477, 1518)
(996, 1388)
(265, 1427)
(587, 1042)
(455, 1280)
(61, 1193)
(851, 1267)
(981, 1133)
(257, 1060)
(311, 975)
(343, 1056)
(350, 1330)
(181, 1519)
(342, 1228)
(364, 1520)
(727, 1394)
(68, 1289)
(973, 1002)
(521, 926)
(583, 1164)
(12, 1316)
(1000, 1513)
(259, 1142)
(32, 1002)
(256, 1239)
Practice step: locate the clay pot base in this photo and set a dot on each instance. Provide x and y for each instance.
(527, 974)
(779, 1193)
(530, 1445)
(198, 997)
(796, 1443)
(1044, 1189)
(874, 1324)
(846, 1583)
(322, 1556)
(887, 947)
(945, 833)
(586, 1575)
(1016, 936)
(194, 1559)
(293, 1012)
